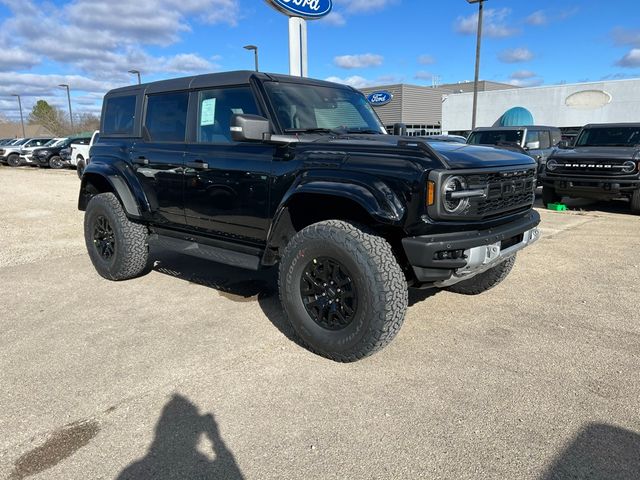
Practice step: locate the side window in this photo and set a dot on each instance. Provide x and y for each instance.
(532, 136)
(215, 108)
(545, 139)
(119, 115)
(166, 119)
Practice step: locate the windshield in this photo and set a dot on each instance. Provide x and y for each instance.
(303, 108)
(52, 143)
(609, 137)
(495, 137)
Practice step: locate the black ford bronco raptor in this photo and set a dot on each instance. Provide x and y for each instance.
(255, 169)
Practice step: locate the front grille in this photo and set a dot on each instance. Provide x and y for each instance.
(582, 166)
(507, 192)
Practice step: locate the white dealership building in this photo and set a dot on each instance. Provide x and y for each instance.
(568, 106)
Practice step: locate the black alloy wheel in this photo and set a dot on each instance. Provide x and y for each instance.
(329, 293)
(13, 160)
(104, 238)
(56, 162)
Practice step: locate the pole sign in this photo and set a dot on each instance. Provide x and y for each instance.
(382, 97)
(308, 9)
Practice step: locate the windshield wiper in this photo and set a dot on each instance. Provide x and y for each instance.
(366, 131)
(313, 130)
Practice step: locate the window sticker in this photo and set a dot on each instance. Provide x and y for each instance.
(208, 112)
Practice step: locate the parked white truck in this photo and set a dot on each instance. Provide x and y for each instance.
(80, 154)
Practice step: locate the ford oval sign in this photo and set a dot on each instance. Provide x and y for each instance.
(377, 99)
(309, 9)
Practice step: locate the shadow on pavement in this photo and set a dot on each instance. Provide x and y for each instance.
(586, 205)
(233, 283)
(175, 454)
(599, 452)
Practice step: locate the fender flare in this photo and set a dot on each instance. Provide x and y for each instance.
(374, 196)
(131, 198)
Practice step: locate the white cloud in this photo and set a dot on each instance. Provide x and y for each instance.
(515, 55)
(495, 24)
(631, 59)
(525, 78)
(365, 60)
(426, 60)
(537, 18)
(335, 19)
(623, 36)
(422, 75)
(364, 6)
(354, 81)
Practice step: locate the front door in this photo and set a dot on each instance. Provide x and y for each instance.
(227, 183)
(159, 159)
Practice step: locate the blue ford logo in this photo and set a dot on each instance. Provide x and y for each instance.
(303, 8)
(380, 98)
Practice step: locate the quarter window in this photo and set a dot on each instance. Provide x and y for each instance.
(215, 108)
(166, 119)
(119, 115)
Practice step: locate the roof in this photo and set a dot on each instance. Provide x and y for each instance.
(519, 127)
(612, 125)
(240, 77)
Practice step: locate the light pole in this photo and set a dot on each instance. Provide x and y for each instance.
(21, 117)
(136, 72)
(255, 53)
(64, 85)
(478, 46)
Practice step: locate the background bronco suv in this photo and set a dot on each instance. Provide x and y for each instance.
(604, 164)
(254, 170)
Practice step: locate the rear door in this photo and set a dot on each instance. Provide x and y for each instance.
(159, 157)
(226, 182)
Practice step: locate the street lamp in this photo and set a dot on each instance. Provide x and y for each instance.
(136, 72)
(478, 46)
(64, 85)
(255, 53)
(21, 117)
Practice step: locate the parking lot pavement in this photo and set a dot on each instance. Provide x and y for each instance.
(190, 372)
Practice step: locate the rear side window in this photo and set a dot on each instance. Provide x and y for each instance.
(545, 139)
(166, 119)
(119, 115)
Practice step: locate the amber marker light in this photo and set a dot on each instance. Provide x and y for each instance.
(431, 193)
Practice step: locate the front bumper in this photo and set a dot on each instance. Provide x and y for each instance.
(591, 186)
(445, 259)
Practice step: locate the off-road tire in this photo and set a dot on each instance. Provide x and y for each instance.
(80, 166)
(549, 195)
(131, 252)
(56, 162)
(378, 280)
(635, 202)
(485, 280)
(13, 160)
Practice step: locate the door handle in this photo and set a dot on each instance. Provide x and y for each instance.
(198, 165)
(141, 161)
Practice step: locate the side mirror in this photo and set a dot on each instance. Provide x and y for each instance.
(400, 129)
(250, 128)
(563, 144)
(532, 146)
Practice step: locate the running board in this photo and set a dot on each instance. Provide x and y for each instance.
(207, 252)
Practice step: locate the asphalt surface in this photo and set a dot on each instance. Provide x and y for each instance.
(190, 372)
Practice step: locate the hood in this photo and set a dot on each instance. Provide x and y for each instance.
(598, 153)
(453, 155)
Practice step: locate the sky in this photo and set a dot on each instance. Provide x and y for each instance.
(91, 44)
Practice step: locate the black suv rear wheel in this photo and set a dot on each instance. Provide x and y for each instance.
(118, 247)
(342, 290)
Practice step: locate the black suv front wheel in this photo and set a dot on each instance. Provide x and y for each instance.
(342, 289)
(117, 247)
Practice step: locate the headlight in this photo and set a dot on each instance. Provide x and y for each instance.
(454, 205)
(552, 165)
(628, 166)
